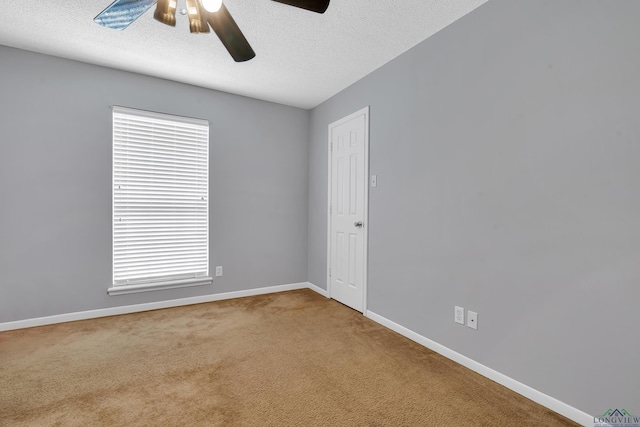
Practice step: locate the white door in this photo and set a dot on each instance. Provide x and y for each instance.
(348, 201)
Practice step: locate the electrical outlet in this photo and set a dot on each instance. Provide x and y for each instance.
(219, 271)
(459, 314)
(472, 319)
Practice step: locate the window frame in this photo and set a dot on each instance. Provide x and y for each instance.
(178, 280)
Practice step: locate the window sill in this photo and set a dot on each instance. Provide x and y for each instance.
(147, 287)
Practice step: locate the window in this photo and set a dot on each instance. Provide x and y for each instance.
(160, 201)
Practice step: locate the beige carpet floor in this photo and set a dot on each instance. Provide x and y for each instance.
(286, 359)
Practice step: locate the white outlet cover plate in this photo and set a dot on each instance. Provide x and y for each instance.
(458, 315)
(472, 319)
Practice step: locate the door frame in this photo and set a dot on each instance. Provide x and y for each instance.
(364, 111)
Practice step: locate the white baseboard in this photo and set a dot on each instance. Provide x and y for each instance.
(126, 309)
(318, 289)
(520, 388)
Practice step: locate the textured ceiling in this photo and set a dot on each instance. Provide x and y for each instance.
(302, 58)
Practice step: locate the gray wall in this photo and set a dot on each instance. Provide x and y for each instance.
(507, 150)
(55, 184)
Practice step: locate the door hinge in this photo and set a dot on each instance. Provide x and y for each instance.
(329, 272)
(330, 210)
(331, 147)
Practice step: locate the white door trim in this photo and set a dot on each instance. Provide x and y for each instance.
(365, 112)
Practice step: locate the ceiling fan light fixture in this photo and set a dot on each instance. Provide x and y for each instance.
(197, 21)
(166, 12)
(211, 6)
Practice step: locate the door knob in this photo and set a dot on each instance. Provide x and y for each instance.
(358, 224)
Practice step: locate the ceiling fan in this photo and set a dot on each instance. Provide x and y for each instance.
(202, 14)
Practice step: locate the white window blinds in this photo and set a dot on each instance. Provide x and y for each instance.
(160, 198)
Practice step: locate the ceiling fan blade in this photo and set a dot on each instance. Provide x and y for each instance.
(121, 13)
(319, 6)
(166, 12)
(230, 35)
